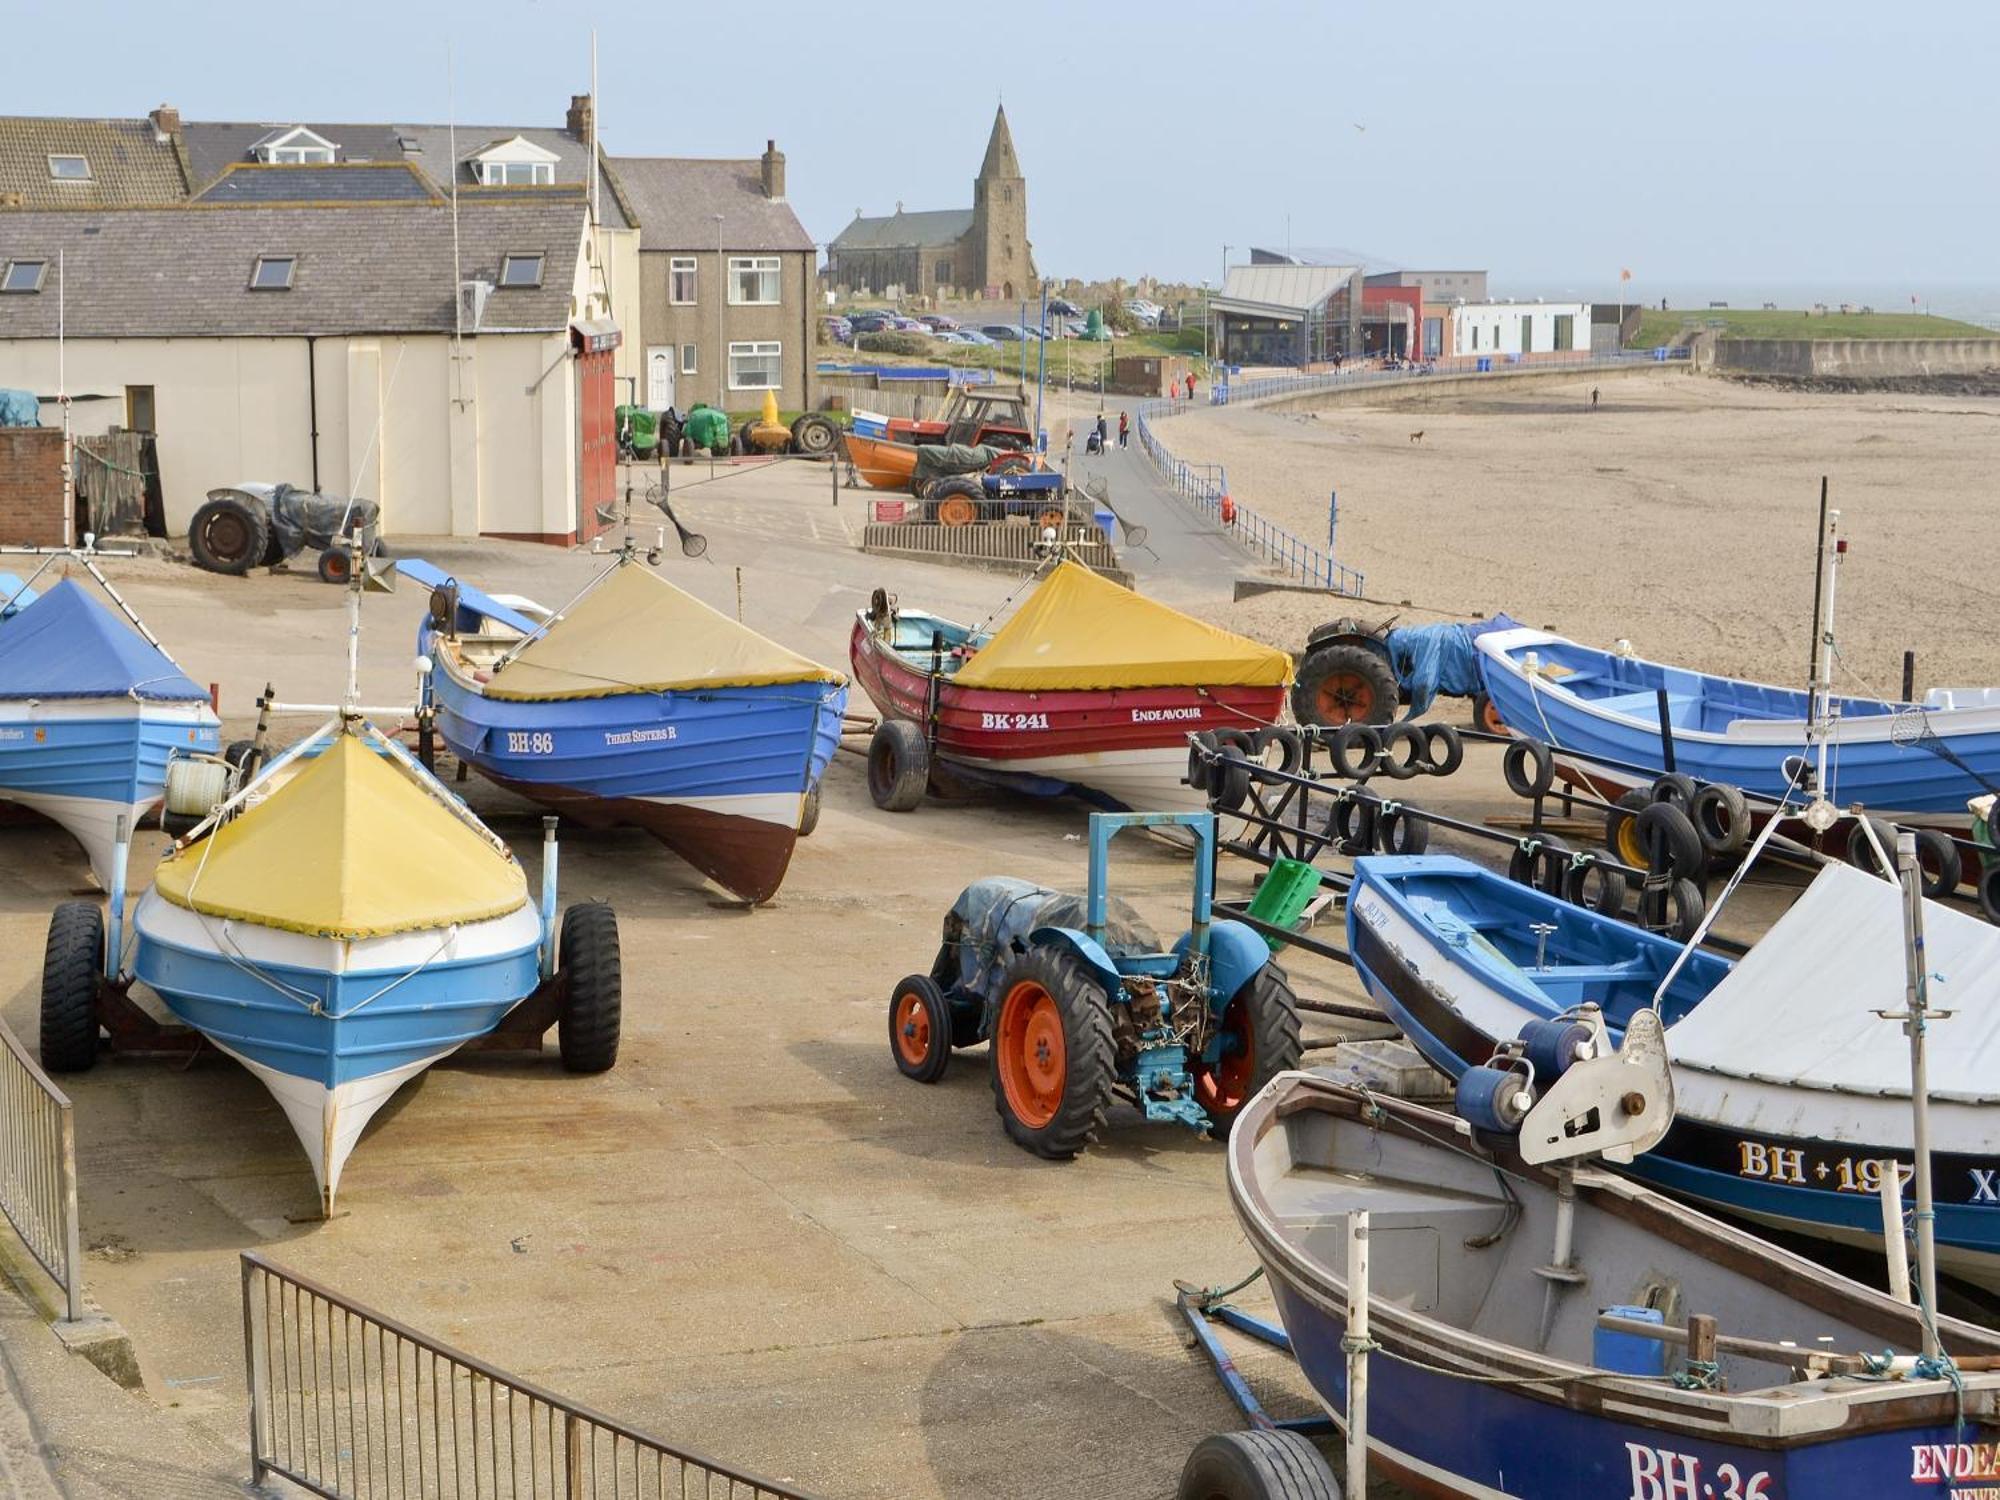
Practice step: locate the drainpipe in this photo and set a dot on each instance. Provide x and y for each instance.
(312, 402)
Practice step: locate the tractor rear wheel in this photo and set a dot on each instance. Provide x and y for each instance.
(815, 435)
(1260, 1040)
(1052, 1054)
(1342, 682)
(1257, 1466)
(920, 1029)
(228, 535)
(592, 974)
(957, 501)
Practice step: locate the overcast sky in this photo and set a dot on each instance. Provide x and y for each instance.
(1552, 143)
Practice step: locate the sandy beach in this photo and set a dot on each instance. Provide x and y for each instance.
(1679, 515)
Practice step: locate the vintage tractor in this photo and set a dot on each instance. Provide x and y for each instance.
(1082, 1006)
(1352, 670)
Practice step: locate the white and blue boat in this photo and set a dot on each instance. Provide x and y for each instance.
(339, 926)
(1601, 708)
(1531, 1328)
(637, 704)
(1792, 1091)
(90, 714)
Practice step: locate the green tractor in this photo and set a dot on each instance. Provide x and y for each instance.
(644, 434)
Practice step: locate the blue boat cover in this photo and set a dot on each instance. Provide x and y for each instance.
(70, 646)
(430, 575)
(19, 408)
(1433, 659)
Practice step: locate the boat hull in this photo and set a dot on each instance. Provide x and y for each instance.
(1725, 1149)
(333, 1027)
(83, 764)
(1123, 746)
(1747, 750)
(882, 464)
(718, 776)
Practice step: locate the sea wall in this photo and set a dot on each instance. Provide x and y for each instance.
(1860, 359)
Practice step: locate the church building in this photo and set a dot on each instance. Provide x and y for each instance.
(949, 253)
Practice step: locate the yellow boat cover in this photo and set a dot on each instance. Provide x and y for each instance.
(637, 633)
(350, 847)
(1081, 631)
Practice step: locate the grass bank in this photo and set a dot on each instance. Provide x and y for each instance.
(1656, 328)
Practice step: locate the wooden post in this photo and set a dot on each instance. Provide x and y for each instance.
(1701, 1338)
(1909, 676)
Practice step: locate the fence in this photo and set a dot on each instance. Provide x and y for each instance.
(38, 1169)
(1372, 373)
(351, 1404)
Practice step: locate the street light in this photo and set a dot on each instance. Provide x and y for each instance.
(721, 295)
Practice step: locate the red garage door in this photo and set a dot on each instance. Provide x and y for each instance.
(597, 442)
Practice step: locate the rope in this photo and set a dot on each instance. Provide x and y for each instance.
(1214, 1296)
(116, 468)
(1698, 1375)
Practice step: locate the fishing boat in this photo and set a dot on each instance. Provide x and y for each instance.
(90, 714)
(637, 704)
(1593, 706)
(1792, 1091)
(1557, 1332)
(883, 463)
(1087, 689)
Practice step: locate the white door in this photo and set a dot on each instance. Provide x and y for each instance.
(660, 378)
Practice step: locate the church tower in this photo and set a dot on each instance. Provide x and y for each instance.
(1000, 219)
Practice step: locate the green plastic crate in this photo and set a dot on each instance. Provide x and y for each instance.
(1284, 893)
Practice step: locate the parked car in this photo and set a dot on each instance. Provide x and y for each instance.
(837, 330)
(1060, 307)
(1144, 314)
(968, 336)
(908, 325)
(938, 322)
(1144, 306)
(1003, 333)
(872, 322)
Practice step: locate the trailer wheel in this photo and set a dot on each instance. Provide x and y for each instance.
(1342, 682)
(1257, 1465)
(809, 811)
(899, 765)
(1989, 890)
(1485, 716)
(1052, 1053)
(592, 974)
(814, 435)
(71, 965)
(1621, 832)
(920, 1029)
(229, 536)
(335, 566)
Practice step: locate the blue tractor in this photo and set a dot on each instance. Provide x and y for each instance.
(1082, 1006)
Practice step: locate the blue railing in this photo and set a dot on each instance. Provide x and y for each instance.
(1268, 387)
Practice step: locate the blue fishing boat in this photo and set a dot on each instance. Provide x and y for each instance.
(1551, 1331)
(1594, 706)
(1792, 1091)
(638, 704)
(90, 714)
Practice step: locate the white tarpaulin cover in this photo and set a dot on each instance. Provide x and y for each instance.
(1800, 1008)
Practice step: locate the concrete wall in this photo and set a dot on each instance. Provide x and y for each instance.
(1857, 358)
(664, 324)
(1496, 326)
(31, 487)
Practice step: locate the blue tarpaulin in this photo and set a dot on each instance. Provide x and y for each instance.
(1433, 659)
(993, 918)
(67, 645)
(19, 408)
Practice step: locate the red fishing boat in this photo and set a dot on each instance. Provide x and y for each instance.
(1088, 689)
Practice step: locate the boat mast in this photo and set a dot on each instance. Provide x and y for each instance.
(1914, 1017)
(1819, 717)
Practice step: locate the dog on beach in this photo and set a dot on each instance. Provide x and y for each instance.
(1417, 436)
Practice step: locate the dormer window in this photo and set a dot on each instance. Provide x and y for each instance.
(517, 162)
(521, 270)
(69, 168)
(272, 273)
(296, 146)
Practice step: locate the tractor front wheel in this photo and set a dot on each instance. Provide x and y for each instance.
(920, 1029)
(1260, 1040)
(1052, 1054)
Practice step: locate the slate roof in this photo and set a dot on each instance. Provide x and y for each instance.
(677, 198)
(127, 165)
(929, 228)
(214, 146)
(572, 165)
(341, 182)
(362, 268)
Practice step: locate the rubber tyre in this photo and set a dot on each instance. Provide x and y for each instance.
(1721, 815)
(1596, 887)
(1344, 683)
(1012, 463)
(1202, 751)
(1673, 910)
(809, 811)
(593, 986)
(920, 1029)
(1229, 785)
(1444, 748)
(1355, 820)
(1257, 1465)
(899, 765)
(1621, 834)
(1412, 760)
(1539, 867)
(335, 566)
(1049, 1003)
(1397, 831)
(228, 536)
(1352, 739)
(1291, 748)
(1528, 768)
(72, 964)
(1485, 716)
(1264, 1009)
(814, 435)
(1989, 890)
(1675, 789)
(1941, 863)
(957, 501)
(1861, 854)
(1670, 843)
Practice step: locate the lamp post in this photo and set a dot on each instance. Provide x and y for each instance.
(721, 296)
(1222, 288)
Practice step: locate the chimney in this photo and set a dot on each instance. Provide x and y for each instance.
(774, 172)
(579, 121)
(166, 122)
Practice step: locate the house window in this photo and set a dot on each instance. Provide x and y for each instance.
(295, 156)
(521, 270)
(680, 280)
(517, 173)
(687, 359)
(272, 273)
(943, 273)
(755, 367)
(23, 276)
(69, 168)
(753, 281)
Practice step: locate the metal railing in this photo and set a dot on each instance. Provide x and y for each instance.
(1374, 372)
(352, 1404)
(38, 1169)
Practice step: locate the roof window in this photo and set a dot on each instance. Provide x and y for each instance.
(23, 276)
(69, 168)
(273, 273)
(521, 270)
(296, 147)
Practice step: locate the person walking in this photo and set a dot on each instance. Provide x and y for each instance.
(1593, 398)
(1190, 385)
(1124, 430)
